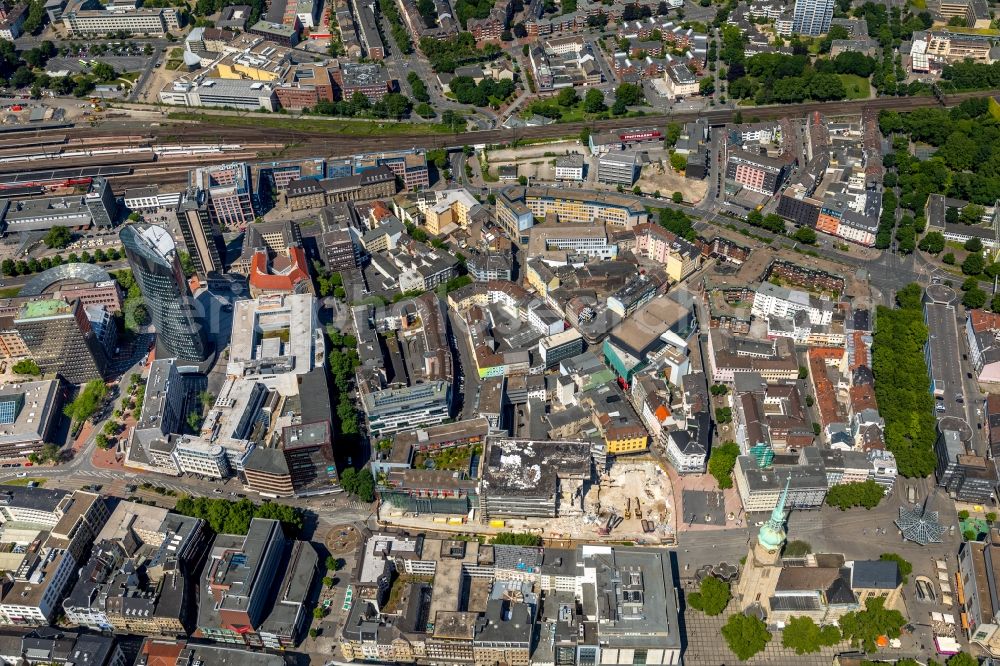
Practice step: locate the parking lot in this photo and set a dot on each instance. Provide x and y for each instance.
(83, 64)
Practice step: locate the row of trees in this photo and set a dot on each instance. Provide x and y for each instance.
(87, 402)
(344, 360)
(400, 34)
(517, 539)
(747, 636)
(393, 105)
(418, 87)
(359, 483)
(626, 95)
(229, 517)
(849, 495)
(902, 385)
(973, 295)
(770, 222)
(134, 308)
(721, 463)
(21, 267)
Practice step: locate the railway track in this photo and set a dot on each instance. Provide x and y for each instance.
(334, 145)
(301, 143)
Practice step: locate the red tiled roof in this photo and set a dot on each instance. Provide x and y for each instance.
(862, 355)
(380, 210)
(826, 395)
(863, 397)
(984, 321)
(262, 279)
(162, 652)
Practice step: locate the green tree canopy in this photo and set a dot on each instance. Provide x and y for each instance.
(902, 385)
(974, 298)
(721, 463)
(229, 517)
(805, 235)
(593, 101)
(712, 596)
(745, 636)
(862, 628)
(58, 237)
(87, 402)
(905, 568)
(27, 366)
(932, 242)
(517, 539)
(962, 659)
(848, 495)
(804, 636)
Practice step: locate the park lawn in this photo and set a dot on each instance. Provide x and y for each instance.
(24, 482)
(316, 125)
(857, 86)
(9, 292)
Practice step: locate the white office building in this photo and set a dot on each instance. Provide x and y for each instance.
(570, 167)
(812, 17)
(773, 301)
(149, 198)
(239, 94)
(196, 456)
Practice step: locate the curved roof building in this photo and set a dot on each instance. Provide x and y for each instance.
(155, 263)
(79, 272)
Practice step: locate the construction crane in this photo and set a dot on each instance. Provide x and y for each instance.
(628, 507)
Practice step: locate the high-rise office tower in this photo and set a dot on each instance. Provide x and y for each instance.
(157, 269)
(230, 194)
(101, 203)
(200, 232)
(812, 17)
(61, 339)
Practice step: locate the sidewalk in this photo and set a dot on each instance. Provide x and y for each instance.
(703, 482)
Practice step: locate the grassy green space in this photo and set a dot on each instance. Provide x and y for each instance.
(316, 125)
(973, 31)
(9, 292)
(24, 482)
(857, 86)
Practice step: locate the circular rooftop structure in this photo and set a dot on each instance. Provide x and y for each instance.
(939, 293)
(959, 425)
(78, 272)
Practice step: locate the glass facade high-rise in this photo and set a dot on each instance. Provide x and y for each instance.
(156, 267)
(61, 339)
(812, 17)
